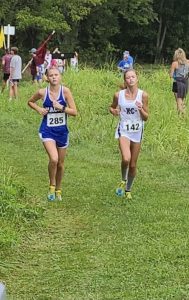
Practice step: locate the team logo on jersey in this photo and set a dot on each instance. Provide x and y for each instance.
(52, 110)
(130, 110)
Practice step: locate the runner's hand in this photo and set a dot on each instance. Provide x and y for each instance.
(115, 111)
(139, 105)
(57, 105)
(42, 111)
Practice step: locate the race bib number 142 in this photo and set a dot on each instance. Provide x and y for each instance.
(56, 119)
(132, 126)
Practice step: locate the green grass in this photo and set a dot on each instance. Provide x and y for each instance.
(94, 245)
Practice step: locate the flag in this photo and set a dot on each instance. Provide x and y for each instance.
(2, 38)
(41, 51)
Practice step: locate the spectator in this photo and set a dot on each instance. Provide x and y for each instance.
(126, 63)
(74, 62)
(40, 74)
(48, 58)
(54, 63)
(15, 72)
(179, 72)
(6, 59)
(60, 62)
(33, 64)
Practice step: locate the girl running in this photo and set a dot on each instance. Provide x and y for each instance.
(58, 103)
(131, 105)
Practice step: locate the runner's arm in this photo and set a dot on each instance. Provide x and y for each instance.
(172, 70)
(114, 110)
(143, 109)
(71, 108)
(32, 102)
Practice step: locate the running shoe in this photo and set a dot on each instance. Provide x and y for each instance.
(51, 193)
(120, 191)
(128, 195)
(58, 195)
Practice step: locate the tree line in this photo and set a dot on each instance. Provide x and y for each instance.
(101, 29)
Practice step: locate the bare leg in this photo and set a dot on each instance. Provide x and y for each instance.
(60, 167)
(11, 91)
(50, 147)
(135, 150)
(175, 94)
(15, 88)
(180, 105)
(124, 145)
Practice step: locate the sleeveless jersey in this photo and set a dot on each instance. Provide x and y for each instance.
(54, 124)
(131, 124)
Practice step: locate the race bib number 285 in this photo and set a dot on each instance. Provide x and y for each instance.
(56, 119)
(132, 126)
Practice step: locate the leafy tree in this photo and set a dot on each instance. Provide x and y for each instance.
(172, 21)
(101, 29)
(102, 33)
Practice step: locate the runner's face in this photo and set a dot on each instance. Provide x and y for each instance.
(54, 76)
(131, 78)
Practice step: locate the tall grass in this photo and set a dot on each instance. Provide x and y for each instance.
(18, 208)
(166, 133)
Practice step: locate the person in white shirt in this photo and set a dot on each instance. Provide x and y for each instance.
(47, 62)
(15, 73)
(74, 62)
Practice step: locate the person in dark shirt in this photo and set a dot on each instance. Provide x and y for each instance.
(6, 59)
(33, 64)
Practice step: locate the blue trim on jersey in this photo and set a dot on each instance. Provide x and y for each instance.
(142, 132)
(119, 132)
(58, 133)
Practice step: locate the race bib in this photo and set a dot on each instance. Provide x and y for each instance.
(132, 126)
(56, 119)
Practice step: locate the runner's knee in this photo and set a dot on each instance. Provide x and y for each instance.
(53, 160)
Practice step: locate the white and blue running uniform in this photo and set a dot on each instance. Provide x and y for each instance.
(131, 124)
(54, 124)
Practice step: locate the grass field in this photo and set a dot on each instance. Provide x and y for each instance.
(93, 245)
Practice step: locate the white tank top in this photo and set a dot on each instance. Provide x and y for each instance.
(130, 124)
(128, 108)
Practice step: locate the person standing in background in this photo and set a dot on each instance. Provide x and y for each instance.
(60, 61)
(126, 63)
(179, 72)
(74, 62)
(33, 64)
(6, 59)
(40, 74)
(47, 62)
(15, 73)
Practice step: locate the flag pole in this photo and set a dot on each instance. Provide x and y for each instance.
(4, 45)
(36, 51)
(46, 41)
(27, 65)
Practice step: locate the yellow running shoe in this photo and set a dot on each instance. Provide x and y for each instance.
(51, 193)
(58, 195)
(120, 191)
(128, 195)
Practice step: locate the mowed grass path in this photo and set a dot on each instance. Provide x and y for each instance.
(93, 245)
